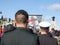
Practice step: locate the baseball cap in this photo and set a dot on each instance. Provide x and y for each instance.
(44, 24)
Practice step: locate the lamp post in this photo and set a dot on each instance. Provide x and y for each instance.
(53, 18)
(0, 18)
(53, 23)
(0, 12)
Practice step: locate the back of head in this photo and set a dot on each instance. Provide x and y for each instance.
(21, 16)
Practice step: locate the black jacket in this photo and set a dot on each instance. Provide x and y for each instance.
(19, 36)
(47, 40)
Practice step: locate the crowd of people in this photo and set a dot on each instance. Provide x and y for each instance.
(21, 34)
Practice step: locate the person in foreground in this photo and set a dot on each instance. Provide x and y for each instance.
(45, 38)
(21, 35)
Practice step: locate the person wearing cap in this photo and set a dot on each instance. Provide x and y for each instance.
(45, 38)
(21, 35)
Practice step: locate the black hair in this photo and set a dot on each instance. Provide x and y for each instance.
(24, 15)
(45, 28)
(23, 12)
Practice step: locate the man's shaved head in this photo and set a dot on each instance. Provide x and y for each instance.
(21, 16)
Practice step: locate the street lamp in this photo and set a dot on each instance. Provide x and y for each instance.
(53, 18)
(0, 12)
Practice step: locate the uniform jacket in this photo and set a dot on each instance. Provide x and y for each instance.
(19, 36)
(47, 40)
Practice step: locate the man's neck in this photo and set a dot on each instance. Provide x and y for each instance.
(43, 33)
(21, 25)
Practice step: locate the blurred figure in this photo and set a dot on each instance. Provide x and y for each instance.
(9, 28)
(21, 35)
(45, 38)
(0, 34)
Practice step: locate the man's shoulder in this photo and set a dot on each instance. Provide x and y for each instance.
(55, 39)
(30, 32)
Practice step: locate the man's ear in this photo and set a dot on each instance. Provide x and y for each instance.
(14, 21)
(27, 21)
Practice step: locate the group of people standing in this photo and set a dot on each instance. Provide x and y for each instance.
(22, 35)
